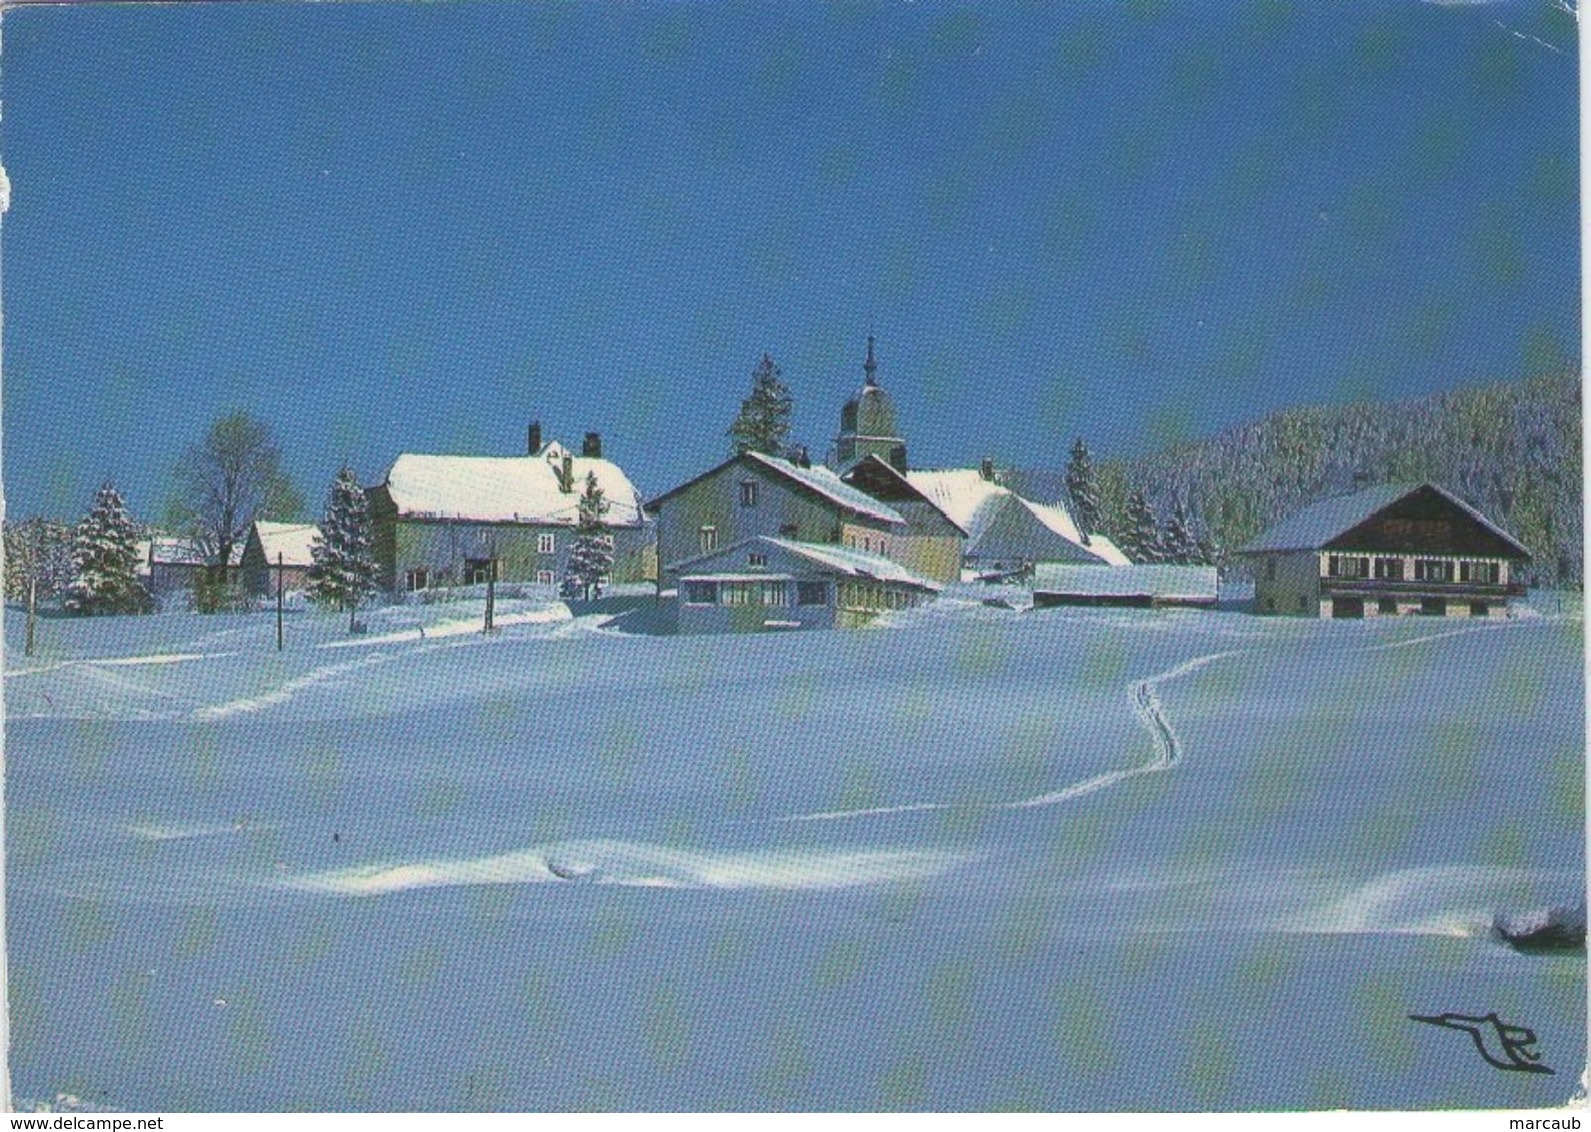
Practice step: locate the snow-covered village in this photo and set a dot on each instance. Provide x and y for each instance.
(784, 614)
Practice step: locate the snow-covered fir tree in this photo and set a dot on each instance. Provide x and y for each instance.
(763, 424)
(1140, 535)
(591, 557)
(105, 560)
(342, 572)
(1179, 545)
(1083, 488)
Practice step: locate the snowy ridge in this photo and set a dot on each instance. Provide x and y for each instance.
(286, 691)
(640, 865)
(1448, 900)
(458, 627)
(152, 831)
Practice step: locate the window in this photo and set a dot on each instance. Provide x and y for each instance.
(546, 543)
(1478, 609)
(1270, 569)
(417, 579)
(1388, 605)
(1389, 569)
(1433, 570)
(748, 493)
(881, 549)
(701, 593)
(1303, 604)
(477, 571)
(812, 593)
(709, 537)
(1483, 573)
(755, 559)
(1344, 566)
(867, 543)
(545, 577)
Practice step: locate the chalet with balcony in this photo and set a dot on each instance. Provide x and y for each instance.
(1387, 550)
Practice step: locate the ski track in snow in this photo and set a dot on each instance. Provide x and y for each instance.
(1145, 705)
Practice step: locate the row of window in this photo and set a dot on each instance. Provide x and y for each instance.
(1392, 569)
(474, 574)
(759, 592)
(874, 598)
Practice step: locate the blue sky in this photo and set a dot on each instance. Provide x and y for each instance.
(415, 227)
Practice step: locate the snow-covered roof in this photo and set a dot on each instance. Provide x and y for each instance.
(828, 484)
(961, 493)
(820, 481)
(173, 550)
(292, 541)
(974, 504)
(1183, 582)
(1320, 522)
(830, 557)
(507, 489)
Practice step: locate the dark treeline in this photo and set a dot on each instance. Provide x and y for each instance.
(1512, 449)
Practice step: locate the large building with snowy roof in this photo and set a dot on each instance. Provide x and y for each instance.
(752, 494)
(958, 520)
(442, 520)
(1386, 550)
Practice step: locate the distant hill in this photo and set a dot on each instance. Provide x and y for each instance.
(1512, 449)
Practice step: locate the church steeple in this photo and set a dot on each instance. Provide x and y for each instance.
(867, 422)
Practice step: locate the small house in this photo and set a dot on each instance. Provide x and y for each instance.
(172, 565)
(277, 553)
(1384, 551)
(765, 583)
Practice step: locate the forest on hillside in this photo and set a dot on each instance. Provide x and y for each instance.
(1512, 449)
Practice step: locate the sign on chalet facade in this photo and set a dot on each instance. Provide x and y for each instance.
(1384, 551)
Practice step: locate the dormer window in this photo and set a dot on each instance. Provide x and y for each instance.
(755, 559)
(748, 493)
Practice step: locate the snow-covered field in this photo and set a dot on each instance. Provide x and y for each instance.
(972, 858)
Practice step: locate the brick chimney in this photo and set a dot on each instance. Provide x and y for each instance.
(566, 475)
(986, 469)
(533, 441)
(593, 446)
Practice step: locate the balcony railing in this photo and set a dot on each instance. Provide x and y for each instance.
(1329, 584)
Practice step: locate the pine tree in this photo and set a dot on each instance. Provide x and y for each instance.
(342, 572)
(591, 557)
(1179, 545)
(764, 421)
(1140, 537)
(105, 560)
(1083, 487)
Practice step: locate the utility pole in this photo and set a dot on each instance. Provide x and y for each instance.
(279, 572)
(491, 585)
(33, 601)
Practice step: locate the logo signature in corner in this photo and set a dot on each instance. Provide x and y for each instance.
(1503, 1046)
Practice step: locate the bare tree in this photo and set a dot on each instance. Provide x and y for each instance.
(224, 483)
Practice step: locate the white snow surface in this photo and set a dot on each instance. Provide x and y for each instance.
(1073, 848)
